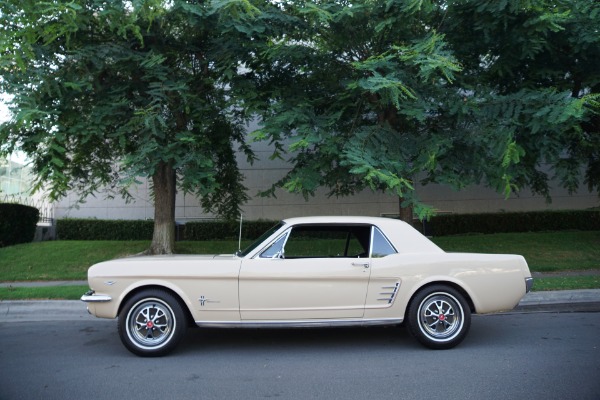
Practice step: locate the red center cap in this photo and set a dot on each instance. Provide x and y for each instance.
(442, 317)
(150, 324)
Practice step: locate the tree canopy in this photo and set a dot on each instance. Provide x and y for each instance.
(376, 94)
(108, 92)
(534, 67)
(387, 93)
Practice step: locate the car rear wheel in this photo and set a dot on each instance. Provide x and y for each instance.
(152, 323)
(439, 317)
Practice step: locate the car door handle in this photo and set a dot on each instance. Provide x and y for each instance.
(363, 264)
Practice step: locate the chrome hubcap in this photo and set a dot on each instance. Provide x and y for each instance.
(150, 323)
(440, 316)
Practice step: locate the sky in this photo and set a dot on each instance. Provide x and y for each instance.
(5, 116)
(3, 108)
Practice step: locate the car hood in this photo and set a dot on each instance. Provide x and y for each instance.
(162, 265)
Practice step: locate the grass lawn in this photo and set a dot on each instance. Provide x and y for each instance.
(60, 260)
(43, 293)
(69, 260)
(566, 283)
(544, 251)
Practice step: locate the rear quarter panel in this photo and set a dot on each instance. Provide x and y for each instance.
(493, 282)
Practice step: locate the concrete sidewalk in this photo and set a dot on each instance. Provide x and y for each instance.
(69, 310)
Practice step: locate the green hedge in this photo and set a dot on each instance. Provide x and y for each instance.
(17, 223)
(99, 229)
(454, 224)
(451, 224)
(202, 230)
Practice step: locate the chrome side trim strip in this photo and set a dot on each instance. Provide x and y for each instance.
(316, 323)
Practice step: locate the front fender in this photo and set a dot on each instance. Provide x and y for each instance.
(119, 292)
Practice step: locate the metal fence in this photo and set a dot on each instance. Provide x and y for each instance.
(46, 210)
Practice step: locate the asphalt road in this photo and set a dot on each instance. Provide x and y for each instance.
(508, 356)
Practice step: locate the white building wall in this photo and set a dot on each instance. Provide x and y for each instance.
(478, 199)
(264, 172)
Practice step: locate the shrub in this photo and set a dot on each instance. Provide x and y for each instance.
(215, 230)
(451, 224)
(454, 224)
(98, 229)
(17, 223)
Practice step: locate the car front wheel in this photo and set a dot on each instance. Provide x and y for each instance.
(439, 317)
(152, 323)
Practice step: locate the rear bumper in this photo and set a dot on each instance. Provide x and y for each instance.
(528, 284)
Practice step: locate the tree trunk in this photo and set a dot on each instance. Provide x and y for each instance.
(164, 184)
(406, 213)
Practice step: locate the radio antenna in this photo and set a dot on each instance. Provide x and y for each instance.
(240, 237)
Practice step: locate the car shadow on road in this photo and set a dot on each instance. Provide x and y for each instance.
(485, 330)
(298, 339)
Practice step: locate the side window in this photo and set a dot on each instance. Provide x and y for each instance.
(316, 241)
(275, 250)
(354, 248)
(381, 246)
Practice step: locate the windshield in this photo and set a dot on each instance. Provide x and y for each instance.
(258, 241)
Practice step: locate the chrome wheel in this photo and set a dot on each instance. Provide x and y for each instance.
(440, 316)
(150, 323)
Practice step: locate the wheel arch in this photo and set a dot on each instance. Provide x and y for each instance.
(439, 315)
(448, 283)
(159, 287)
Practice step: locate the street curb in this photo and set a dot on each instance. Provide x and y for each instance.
(68, 310)
(559, 307)
(43, 310)
(585, 300)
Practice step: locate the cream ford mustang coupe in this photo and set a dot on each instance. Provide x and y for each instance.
(308, 272)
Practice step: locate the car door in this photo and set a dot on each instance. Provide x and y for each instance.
(308, 272)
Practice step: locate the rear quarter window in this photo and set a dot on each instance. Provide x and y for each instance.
(381, 245)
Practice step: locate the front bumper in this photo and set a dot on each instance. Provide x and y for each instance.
(92, 297)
